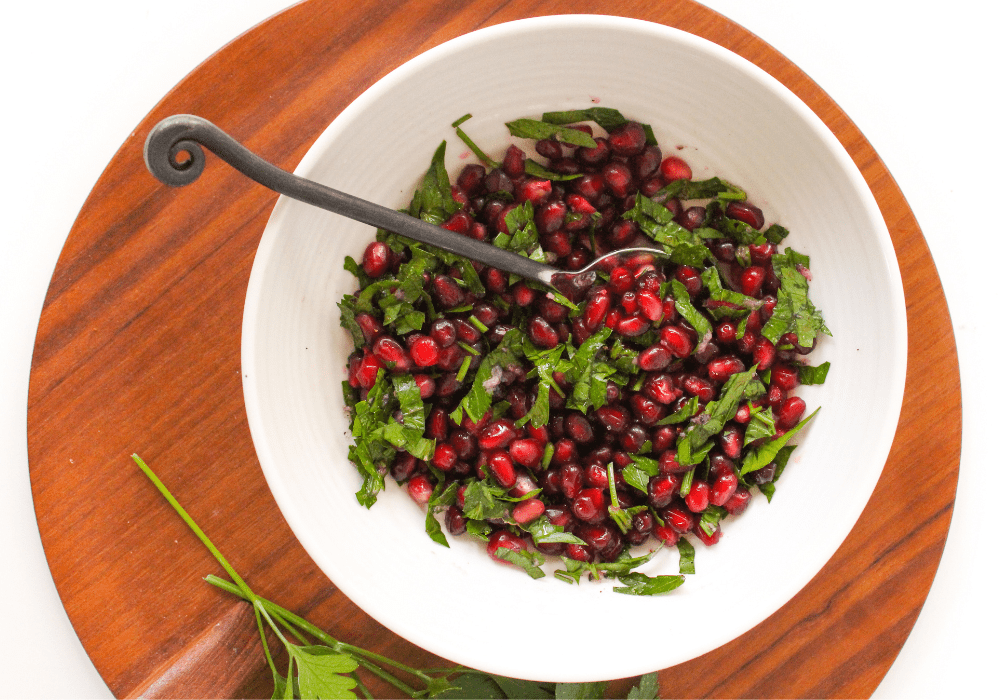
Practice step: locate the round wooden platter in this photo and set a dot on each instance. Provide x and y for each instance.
(138, 350)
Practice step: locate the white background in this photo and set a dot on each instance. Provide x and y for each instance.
(918, 78)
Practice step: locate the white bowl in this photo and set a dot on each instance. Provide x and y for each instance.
(732, 120)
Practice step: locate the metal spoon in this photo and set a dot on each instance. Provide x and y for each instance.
(185, 134)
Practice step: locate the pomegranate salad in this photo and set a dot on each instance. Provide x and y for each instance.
(618, 418)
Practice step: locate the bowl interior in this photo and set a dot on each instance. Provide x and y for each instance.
(727, 118)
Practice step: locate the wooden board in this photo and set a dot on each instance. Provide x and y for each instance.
(138, 350)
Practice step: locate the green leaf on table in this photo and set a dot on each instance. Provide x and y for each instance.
(648, 688)
(526, 690)
(809, 375)
(471, 686)
(527, 560)
(319, 672)
(580, 691)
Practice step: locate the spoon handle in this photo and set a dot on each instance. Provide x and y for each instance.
(184, 134)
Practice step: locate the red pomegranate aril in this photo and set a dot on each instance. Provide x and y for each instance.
(548, 148)
(632, 326)
(666, 534)
(674, 168)
(617, 178)
(633, 438)
(613, 418)
(513, 162)
(745, 212)
(581, 552)
(760, 253)
(790, 413)
(528, 510)
(595, 475)
(571, 479)
(425, 384)
(628, 139)
(523, 294)
(447, 292)
(785, 376)
(690, 278)
(764, 354)
(420, 488)
(676, 340)
(653, 358)
(664, 438)
(650, 305)
(459, 222)
(425, 351)
(595, 535)
(368, 370)
(613, 317)
(669, 465)
(731, 442)
(497, 435)
(645, 410)
(742, 414)
(752, 280)
(746, 343)
(661, 489)
(578, 428)
(542, 334)
(589, 506)
(443, 332)
(501, 466)
(723, 489)
(497, 181)
(722, 368)
(526, 452)
(661, 388)
(646, 162)
(550, 216)
(391, 353)
(375, 260)
(594, 156)
(370, 326)
(621, 280)
(596, 309)
(558, 243)
(470, 179)
(564, 451)
(707, 539)
(725, 332)
(679, 518)
(738, 502)
(504, 539)
(444, 457)
(700, 387)
(692, 217)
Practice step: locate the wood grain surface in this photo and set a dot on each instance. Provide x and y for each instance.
(138, 350)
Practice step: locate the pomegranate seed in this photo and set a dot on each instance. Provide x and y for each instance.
(588, 187)
(528, 510)
(594, 156)
(679, 518)
(526, 452)
(497, 435)
(731, 442)
(621, 280)
(790, 413)
(661, 388)
(444, 457)
(542, 334)
(666, 534)
(613, 317)
(690, 278)
(738, 502)
(617, 178)
(633, 438)
(628, 139)
(564, 452)
(723, 489)
(558, 243)
(725, 332)
(706, 539)
(420, 489)
(669, 465)
(651, 306)
(425, 351)
(596, 536)
(722, 368)
(632, 326)
(507, 540)
(447, 292)
(645, 410)
(700, 387)
(745, 212)
(459, 222)
(403, 466)
(785, 376)
(589, 506)
(497, 181)
(673, 168)
(752, 280)
(391, 353)
(578, 428)
(613, 418)
(596, 309)
(595, 475)
(548, 148)
(764, 353)
(623, 233)
(454, 520)
(550, 216)
(581, 552)
(443, 332)
(368, 370)
(653, 358)
(426, 384)
(375, 261)
(692, 217)
(571, 479)
(370, 327)
(470, 180)
(513, 162)
(523, 294)
(646, 162)
(501, 466)
(674, 339)
(662, 489)
(760, 253)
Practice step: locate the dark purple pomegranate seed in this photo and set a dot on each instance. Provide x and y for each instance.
(470, 180)
(613, 418)
(617, 178)
(628, 139)
(403, 466)
(513, 162)
(558, 243)
(454, 520)
(447, 292)
(664, 438)
(466, 332)
(578, 428)
(623, 233)
(571, 479)
(594, 156)
(745, 212)
(548, 148)
(646, 410)
(673, 168)
(633, 438)
(738, 502)
(646, 162)
(497, 181)
(451, 358)
(375, 260)
(443, 332)
(692, 217)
